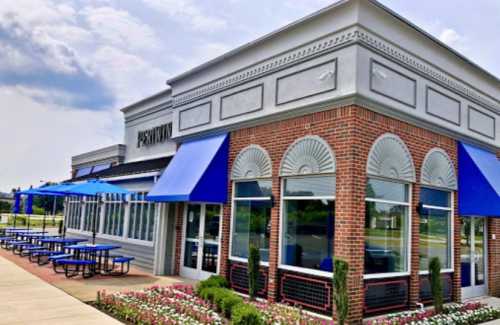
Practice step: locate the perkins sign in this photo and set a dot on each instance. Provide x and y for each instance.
(155, 135)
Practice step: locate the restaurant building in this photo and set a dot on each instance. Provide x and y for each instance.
(349, 133)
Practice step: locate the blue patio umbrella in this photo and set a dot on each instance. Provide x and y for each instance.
(16, 209)
(28, 208)
(94, 188)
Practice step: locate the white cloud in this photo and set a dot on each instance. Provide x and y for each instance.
(14, 60)
(451, 38)
(189, 14)
(38, 140)
(129, 76)
(119, 28)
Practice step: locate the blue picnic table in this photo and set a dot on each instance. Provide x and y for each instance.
(97, 252)
(52, 243)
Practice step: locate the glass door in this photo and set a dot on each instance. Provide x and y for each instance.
(473, 257)
(201, 241)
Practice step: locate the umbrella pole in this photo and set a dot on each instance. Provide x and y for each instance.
(43, 222)
(15, 217)
(93, 225)
(28, 217)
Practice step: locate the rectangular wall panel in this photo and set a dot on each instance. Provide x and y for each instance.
(481, 123)
(442, 106)
(242, 102)
(195, 116)
(393, 84)
(307, 82)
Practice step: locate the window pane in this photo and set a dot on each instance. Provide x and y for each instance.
(251, 226)
(434, 197)
(308, 234)
(385, 238)
(253, 189)
(434, 237)
(310, 186)
(212, 221)
(384, 190)
(193, 221)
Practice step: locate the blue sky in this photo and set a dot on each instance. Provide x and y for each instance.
(67, 66)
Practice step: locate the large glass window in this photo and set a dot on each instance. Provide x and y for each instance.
(74, 213)
(308, 222)
(386, 227)
(92, 214)
(142, 217)
(251, 217)
(435, 227)
(114, 214)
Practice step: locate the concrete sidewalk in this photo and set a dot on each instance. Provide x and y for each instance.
(27, 299)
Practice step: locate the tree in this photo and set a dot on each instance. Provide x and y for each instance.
(253, 271)
(341, 298)
(436, 284)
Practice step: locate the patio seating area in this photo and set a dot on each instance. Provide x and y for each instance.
(69, 256)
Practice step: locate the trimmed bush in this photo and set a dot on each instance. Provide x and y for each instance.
(436, 284)
(244, 314)
(253, 271)
(229, 302)
(208, 293)
(214, 281)
(341, 298)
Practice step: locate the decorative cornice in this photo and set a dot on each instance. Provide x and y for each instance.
(330, 43)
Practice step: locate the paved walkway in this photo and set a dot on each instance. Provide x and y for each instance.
(27, 299)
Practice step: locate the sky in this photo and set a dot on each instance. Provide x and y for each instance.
(68, 66)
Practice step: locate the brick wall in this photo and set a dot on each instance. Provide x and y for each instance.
(350, 131)
(494, 257)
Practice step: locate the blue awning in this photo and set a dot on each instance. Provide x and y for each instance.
(478, 181)
(197, 173)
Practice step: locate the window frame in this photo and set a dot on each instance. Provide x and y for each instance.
(283, 198)
(118, 204)
(150, 204)
(451, 232)
(87, 202)
(409, 216)
(233, 211)
(74, 205)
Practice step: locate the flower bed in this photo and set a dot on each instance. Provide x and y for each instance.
(280, 314)
(459, 314)
(173, 305)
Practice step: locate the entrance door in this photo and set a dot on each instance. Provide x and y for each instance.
(473, 257)
(200, 252)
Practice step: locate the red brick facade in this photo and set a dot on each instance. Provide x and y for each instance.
(494, 257)
(351, 132)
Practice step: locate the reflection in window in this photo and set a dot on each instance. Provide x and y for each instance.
(386, 227)
(308, 222)
(435, 227)
(114, 214)
(74, 213)
(252, 211)
(142, 217)
(92, 214)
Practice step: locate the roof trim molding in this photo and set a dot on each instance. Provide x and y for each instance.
(347, 37)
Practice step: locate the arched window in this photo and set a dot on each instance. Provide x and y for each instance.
(308, 206)
(438, 181)
(252, 193)
(390, 171)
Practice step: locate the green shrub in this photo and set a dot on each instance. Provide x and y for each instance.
(208, 293)
(436, 284)
(229, 302)
(245, 314)
(341, 298)
(214, 281)
(253, 271)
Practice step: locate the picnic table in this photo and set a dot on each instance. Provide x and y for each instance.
(98, 253)
(60, 243)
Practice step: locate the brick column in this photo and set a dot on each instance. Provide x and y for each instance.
(415, 247)
(225, 237)
(273, 285)
(494, 257)
(457, 285)
(178, 237)
(350, 210)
